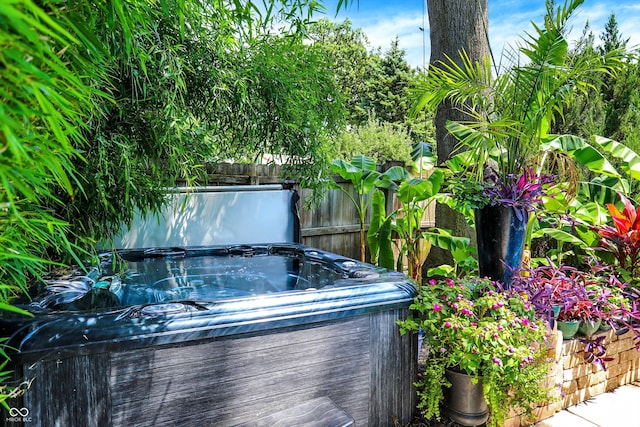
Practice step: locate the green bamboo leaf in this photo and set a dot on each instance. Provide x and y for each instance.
(14, 309)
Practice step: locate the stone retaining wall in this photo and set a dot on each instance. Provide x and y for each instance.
(576, 380)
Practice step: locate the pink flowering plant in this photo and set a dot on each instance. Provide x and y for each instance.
(475, 327)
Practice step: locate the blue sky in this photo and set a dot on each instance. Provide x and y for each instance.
(383, 20)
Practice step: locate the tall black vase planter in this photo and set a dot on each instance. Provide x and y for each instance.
(500, 233)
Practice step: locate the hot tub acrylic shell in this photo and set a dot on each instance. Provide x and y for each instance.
(224, 361)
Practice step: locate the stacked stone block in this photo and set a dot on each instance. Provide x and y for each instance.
(575, 380)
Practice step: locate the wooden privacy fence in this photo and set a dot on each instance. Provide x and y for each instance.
(333, 225)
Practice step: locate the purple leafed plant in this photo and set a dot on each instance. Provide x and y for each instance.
(595, 351)
(522, 192)
(597, 293)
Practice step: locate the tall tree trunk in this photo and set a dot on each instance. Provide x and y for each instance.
(455, 25)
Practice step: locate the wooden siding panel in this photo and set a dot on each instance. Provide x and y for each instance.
(68, 392)
(394, 369)
(234, 380)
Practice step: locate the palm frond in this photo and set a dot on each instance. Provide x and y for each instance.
(466, 84)
(516, 109)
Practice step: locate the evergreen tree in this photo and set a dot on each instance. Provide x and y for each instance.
(609, 102)
(374, 85)
(611, 37)
(615, 97)
(391, 102)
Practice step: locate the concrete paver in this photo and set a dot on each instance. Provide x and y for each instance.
(618, 408)
(565, 419)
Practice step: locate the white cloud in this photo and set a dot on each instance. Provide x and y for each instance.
(381, 30)
(508, 22)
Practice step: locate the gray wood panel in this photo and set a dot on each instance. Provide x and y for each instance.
(68, 392)
(362, 364)
(320, 412)
(245, 377)
(394, 369)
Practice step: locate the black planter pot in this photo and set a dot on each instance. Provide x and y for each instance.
(500, 233)
(464, 401)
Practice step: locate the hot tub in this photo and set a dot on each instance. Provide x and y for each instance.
(215, 336)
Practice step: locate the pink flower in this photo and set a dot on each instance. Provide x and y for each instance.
(497, 361)
(433, 282)
(525, 321)
(443, 350)
(447, 324)
(437, 307)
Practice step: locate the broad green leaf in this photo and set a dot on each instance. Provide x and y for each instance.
(559, 235)
(602, 192)
(378, 216)
(630, 159)
(363, 162)
(420, 150)
(392, 177)
(444, 270)
(583, 153)
(444, 240)
(386, 256)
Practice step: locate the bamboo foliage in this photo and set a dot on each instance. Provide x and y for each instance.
(103, 103)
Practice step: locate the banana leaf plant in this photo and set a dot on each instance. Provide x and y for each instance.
(414, 195)
(612, 167)
(362, 172)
